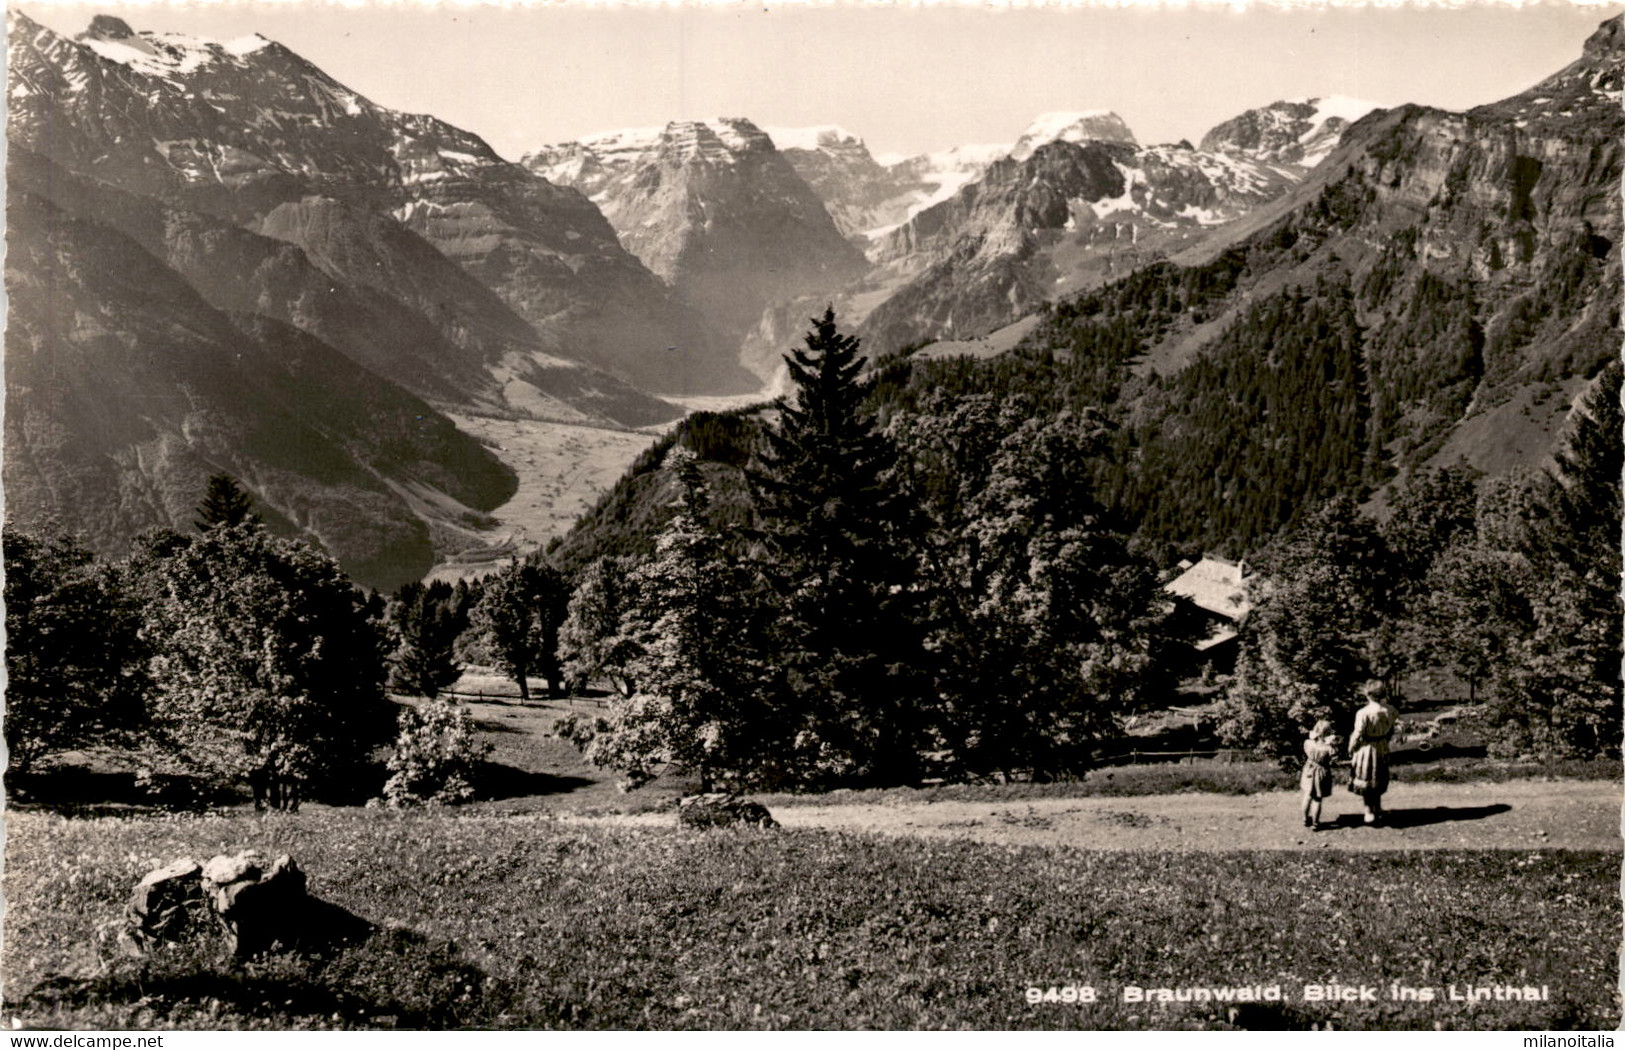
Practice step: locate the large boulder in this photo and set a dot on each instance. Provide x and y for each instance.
(254, 903)
(168, 904)
(721, 809)
(258, 903)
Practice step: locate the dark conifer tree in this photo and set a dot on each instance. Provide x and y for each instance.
(224, 503)
(424, 626)
(1585, 509)
(829, 520)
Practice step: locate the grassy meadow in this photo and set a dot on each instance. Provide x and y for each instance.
(536, 921)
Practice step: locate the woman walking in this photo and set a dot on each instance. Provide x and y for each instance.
(1368, 748)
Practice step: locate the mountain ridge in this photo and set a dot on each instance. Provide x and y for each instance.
(188, 121)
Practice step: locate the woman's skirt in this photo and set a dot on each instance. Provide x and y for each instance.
(1370, 770)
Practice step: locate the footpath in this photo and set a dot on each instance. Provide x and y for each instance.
(1518, 815)
(1524, 815)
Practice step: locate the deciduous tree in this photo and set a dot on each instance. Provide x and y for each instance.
(265, 665)
(517, 621)
(699, 701)
(73, 674)
(423, 622)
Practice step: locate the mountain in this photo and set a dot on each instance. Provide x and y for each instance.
(1097, 125)
(869, 199)
(126, 390)
(206, 277)
(743, 223)
(1443, 286)
(235, 130)
(1294, 133)
(1068, 216)
(715, 210)
(860, 193)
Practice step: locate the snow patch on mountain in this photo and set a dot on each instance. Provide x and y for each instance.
(1124, 203)
(811, 138)
(1297, 132)
(1340, 107)
(622, 139)
(246, 45)
(1076, 126)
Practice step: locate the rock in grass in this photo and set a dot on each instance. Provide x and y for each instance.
(257, 903)
(167, 904)
(720, 809)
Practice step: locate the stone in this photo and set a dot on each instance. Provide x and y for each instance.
(223, 870)
(166, 905)
(253, 903)
(258, 904)
(721, 809)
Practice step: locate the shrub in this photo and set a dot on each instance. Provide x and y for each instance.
(434, 757)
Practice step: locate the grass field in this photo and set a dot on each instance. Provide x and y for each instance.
(559, 901)
(532, 923)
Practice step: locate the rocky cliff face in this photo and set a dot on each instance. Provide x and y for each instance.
(715, 210)
(1295, 133)
(1481, 252)
(868, 200)
(860, 193)
(1069, 216)
(234, 130)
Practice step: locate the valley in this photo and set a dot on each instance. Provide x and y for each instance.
(558, 307)
(562, 469)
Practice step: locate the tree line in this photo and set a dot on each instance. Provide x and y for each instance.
(936, 593)
(233, 656)
(1510, 583)
(871, 582)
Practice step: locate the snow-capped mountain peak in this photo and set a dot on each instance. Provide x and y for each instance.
(819, 136)
(1297, 132)
(164, 55)
(246, 45)
(1072, 126)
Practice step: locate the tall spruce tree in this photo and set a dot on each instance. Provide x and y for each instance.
(829, 518)
(224, 504)
(1560, 693)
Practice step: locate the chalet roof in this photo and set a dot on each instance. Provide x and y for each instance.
(1214, 584)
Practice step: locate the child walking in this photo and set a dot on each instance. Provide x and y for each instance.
(1319, 751)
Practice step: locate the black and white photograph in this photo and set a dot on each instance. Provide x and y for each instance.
(812, 516)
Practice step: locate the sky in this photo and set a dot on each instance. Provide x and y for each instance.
(906, 79)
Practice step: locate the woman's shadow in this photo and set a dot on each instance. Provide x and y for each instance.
(1415, 818)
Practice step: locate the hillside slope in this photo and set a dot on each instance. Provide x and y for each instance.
(126, 390)
(235, 130)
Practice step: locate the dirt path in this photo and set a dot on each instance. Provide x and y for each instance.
(1516, 815)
